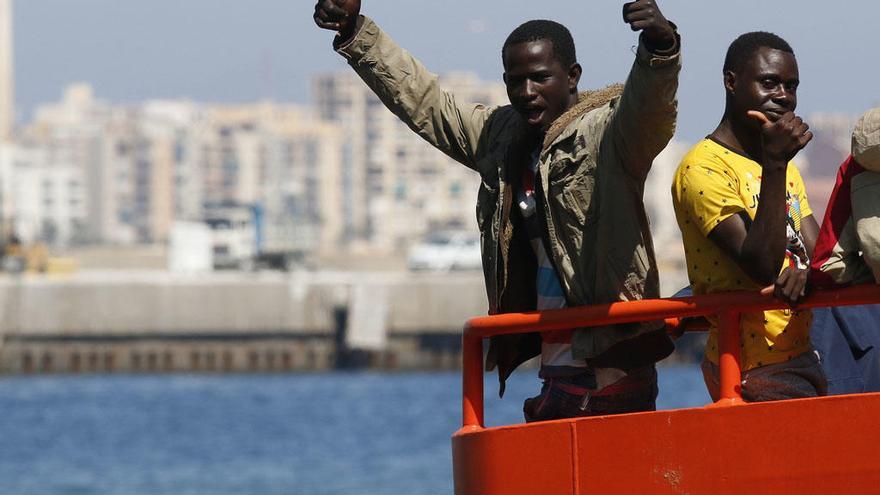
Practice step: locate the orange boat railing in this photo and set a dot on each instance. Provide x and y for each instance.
(726, 306)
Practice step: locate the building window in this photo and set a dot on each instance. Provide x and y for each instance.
(455, 189)
(400, 191)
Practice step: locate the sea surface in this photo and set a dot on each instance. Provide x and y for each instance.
(322, 434)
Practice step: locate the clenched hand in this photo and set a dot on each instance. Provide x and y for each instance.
(338, 15)
(645, 16)
(782, 139)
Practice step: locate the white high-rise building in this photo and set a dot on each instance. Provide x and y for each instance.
(668, 246)
(86, 134)
(343, 99)
(394, 186)
(48, 199)
(7, 81)
(658, 200)
(283, 161)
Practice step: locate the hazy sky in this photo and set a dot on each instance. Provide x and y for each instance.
(243, 50)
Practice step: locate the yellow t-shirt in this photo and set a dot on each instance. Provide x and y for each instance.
(711, 184)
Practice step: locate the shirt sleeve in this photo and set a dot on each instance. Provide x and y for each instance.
(709, 194)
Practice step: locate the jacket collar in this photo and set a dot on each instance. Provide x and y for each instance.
(587, 101)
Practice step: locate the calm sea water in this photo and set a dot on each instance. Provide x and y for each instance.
(269, 434)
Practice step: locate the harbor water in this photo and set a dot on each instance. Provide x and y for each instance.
(321, 434)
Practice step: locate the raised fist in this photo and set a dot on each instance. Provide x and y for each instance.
(338, 15)
(645, 16)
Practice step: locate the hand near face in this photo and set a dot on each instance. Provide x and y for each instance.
(337, 15)
(783, 138)
(645, 16)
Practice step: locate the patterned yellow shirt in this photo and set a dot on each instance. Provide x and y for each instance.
(711, 184)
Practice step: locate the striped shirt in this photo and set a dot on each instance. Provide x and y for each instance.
(556, 358)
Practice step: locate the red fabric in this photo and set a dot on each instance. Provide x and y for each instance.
(837, 215)
(528, 181)
(628, 383)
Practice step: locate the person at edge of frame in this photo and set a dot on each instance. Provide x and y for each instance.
(848, 253)
(560, 206)
(746, 223)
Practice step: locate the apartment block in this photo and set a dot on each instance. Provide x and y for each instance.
(393, 185)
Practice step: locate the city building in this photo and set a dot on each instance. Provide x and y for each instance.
(47, 200)
(283, 161)
(80, 133)
(394, 187)
(147, 165)
(668, 246)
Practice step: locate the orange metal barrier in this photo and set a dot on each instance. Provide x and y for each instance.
(727, 306)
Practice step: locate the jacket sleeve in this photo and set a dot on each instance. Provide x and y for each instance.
(866, 216)
(643, 121)
(837, 258)
(413, 94)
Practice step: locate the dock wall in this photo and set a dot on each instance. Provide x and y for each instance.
(233, 322)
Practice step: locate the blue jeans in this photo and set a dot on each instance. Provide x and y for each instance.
(571, 397)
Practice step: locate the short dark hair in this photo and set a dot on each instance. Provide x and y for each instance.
(747, 44)
(540, 29)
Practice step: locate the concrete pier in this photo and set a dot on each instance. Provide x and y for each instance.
(130, 321)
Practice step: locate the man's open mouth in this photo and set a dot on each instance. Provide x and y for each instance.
(533, 115)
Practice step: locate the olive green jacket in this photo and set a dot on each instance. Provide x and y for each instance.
(592, 171)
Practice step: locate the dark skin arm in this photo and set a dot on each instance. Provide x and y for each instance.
(342, 16)
(793, 283)
(758, 247)
(645, 16)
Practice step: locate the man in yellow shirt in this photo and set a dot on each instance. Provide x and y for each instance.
(745, 220)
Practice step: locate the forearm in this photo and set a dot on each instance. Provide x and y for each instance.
(763, 249)
(343, 38)
(663, 47)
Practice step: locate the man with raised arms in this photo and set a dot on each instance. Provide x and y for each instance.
(745, 220)
(560, 207)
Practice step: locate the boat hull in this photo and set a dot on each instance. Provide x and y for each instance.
(823, 445)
